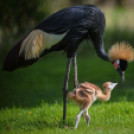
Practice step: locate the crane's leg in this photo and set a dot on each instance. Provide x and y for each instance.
(75, 72)
(65, 89)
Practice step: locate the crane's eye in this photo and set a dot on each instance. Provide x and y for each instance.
(117, 64)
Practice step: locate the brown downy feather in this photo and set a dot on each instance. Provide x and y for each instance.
(32, 46)
(121, 50)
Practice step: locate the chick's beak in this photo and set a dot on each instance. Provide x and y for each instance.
(122, 74)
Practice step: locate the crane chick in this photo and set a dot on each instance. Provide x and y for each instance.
(86, 94)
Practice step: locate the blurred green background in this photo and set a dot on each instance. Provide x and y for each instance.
(43, 81)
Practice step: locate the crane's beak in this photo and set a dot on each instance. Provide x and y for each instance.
(122, 74)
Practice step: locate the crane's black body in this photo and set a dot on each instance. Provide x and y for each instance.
(79, 23)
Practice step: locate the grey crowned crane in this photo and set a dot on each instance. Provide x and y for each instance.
(65, 30)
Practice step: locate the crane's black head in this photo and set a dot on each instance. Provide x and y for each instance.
(121, 65)
(120, 54)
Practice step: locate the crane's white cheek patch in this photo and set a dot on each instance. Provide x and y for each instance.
(37, 41)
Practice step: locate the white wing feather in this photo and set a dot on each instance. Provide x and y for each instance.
(37, 41)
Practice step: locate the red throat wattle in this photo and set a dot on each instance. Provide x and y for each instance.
(116, 65)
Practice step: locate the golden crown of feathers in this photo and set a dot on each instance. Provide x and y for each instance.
(121, 50)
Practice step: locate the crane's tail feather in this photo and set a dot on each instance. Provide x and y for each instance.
(26, 51)
(30, 49)
(14, 61)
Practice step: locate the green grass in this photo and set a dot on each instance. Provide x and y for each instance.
(105, 118)
(31, 98)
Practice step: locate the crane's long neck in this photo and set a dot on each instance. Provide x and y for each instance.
(97, 40)
(101, 51)
(104, 96)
